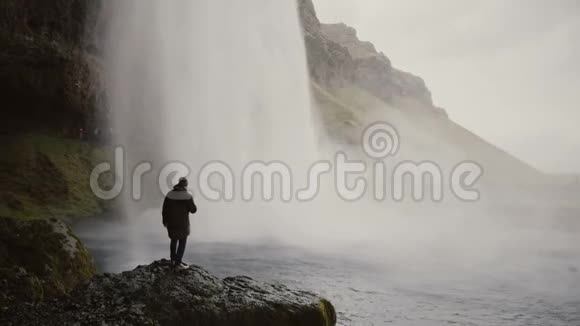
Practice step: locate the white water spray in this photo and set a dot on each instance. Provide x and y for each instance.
(199, 81)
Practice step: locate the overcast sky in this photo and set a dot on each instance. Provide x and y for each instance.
(509, 70)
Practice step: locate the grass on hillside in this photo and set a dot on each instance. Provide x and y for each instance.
(337, 118)
(43, 176)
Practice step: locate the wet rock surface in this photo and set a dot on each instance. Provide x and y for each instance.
(159, 294)
(40, 259)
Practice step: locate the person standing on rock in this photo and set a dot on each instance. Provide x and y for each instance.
(176, 208)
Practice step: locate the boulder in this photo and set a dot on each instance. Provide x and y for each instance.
(159, 294)
(40, 259)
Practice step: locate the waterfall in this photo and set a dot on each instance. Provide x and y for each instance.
(213, 80)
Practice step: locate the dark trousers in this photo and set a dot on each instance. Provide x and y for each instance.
(178, 249)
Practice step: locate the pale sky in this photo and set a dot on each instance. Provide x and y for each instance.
(509, 70)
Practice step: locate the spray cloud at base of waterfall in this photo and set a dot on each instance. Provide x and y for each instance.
(217, 80)
(196, 82)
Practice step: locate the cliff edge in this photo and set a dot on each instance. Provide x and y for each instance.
(337, 58)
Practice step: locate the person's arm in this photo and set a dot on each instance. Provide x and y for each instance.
(192, 207)
(164, 211)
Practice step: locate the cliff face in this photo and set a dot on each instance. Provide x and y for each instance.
(329, 63)
(50, 79)
(49, 71)
(337, 58)
(46, 75)
(355, 85)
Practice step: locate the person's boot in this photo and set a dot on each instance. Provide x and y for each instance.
(182, 265)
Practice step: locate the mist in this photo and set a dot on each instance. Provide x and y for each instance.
(170, 104)
(506, 71)
(302, 162)
(242, 93)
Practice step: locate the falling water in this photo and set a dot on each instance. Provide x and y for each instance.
(202, 81)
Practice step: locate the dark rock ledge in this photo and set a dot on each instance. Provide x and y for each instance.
(158, 294)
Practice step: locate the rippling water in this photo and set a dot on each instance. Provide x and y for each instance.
(541, 289)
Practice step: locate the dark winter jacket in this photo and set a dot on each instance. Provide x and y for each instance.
(176, 208)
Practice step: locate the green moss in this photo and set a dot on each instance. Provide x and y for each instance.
(41, 258)
(47, 176)
(328, 312)
(19, 286)
(338, 118)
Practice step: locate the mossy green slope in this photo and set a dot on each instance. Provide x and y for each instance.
(47, 176)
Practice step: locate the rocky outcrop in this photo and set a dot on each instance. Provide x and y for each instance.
(159, 294)
(40, 259)
(337, 58)
(373, 70)
(47, 76)
(329, 63)
(49, 65)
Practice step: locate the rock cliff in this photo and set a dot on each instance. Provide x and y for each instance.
(337, 59)
(50, 79)
(47, 75)
(354, 85)
(50, 66)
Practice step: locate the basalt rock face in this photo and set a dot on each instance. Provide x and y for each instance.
(47, 76)
(50, 71)
(374, 71)
(40, 259)
(330, 64)
(337, 59)
(159, 294)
